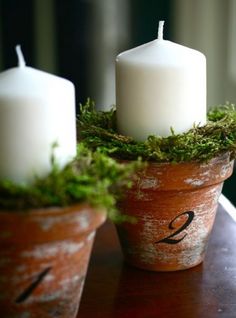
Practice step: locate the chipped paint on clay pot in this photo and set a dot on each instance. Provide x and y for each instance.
(175, 207)
(44, 256)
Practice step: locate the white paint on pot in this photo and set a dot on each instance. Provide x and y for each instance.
(194, 182)
(50, 250)
(149, 183)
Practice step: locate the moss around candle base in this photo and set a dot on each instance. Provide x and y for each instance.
(98, 129)
(74, 184)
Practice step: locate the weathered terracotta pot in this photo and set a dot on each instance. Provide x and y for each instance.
(175, 206)
(44, 257)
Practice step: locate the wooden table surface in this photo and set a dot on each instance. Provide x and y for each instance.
(114, 289)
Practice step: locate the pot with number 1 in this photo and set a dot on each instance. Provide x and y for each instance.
(44, 255)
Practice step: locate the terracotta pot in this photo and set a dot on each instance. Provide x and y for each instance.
(44, 257)
(174, 206)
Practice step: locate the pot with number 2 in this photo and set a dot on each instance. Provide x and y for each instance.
(174, 206)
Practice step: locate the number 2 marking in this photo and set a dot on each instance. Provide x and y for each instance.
(170, 239)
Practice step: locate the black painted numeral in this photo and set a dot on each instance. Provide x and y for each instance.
(170, 239)
(29, 290)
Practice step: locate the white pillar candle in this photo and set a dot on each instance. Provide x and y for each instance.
(160, 85)
(37, 109)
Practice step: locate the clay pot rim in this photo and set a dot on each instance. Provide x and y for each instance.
(184, 175)
(53, 223)
(220, 157)
(52, 210)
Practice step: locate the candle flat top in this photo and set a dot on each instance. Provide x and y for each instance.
(22, 78)
(160, 52)
(19, 80)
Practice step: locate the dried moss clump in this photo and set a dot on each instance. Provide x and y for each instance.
(92, 177)
(98, 130)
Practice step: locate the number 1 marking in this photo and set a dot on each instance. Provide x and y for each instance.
(29, 290)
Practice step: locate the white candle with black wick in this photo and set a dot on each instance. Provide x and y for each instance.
(160, 85)
(37, 109)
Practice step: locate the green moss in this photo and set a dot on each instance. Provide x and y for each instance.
(92, 177)
(98, 131)
(96, 178)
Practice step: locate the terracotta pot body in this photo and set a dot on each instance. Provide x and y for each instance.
(175, 206)
(44, 257)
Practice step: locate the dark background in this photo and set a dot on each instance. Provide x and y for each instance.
(74, 36)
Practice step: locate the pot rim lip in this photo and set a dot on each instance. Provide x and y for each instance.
(220, 157)
(55, 210)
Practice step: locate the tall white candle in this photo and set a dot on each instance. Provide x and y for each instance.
(160, 85)
(37, 109)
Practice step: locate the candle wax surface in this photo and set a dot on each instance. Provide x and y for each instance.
(160, 85)
(37, 109)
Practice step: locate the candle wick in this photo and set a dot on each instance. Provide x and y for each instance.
(21, 60)
(160, 30)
